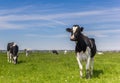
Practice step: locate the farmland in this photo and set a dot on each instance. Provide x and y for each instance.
(45, 67)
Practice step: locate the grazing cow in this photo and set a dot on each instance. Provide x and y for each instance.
(55, 52)
(12, 52)
(85, 49)
(27, 51)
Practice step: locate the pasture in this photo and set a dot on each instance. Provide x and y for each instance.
(41, 67)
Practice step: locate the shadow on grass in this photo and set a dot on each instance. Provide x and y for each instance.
(97, 73)
(19, 62)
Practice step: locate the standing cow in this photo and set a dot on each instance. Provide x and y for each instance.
(12, 52)
(27, 51)
(85, 49)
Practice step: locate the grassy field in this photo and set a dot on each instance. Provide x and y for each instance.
(50, 68)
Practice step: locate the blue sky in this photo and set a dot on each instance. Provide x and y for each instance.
(41, 24)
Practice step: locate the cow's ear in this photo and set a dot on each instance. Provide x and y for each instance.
(82, 29)
(69, 30)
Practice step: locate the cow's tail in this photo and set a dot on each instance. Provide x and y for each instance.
(93, 48)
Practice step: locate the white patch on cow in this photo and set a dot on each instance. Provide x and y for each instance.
(83, 56)
(74, 29)
(14, 44)
(72, 37)
(15, 57)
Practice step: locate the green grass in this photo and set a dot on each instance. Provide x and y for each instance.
(50, 68)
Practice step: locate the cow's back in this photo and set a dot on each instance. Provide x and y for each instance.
(15, 50)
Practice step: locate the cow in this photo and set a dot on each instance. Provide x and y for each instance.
(12, 52)
(55, 52)
(85, 49)
(65, 51)
(27, 51)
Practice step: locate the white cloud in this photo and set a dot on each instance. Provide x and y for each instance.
(47, 36)
(14, 10)
(94, 16)
(56, 16)
(102, 33)
(6, 25)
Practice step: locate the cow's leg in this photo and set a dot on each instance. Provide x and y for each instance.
(88, 68)
(92, 65)
(79, 63)
(11, 58)
(15, 59)
(8, 56)
(88, 53)
(26, 53)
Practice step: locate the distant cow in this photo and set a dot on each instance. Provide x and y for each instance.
(27, 51)
(12, 52)
(65, 51)
(85, 49)
(55, 52)
(100, 53)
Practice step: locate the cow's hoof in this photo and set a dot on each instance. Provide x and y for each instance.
(88, 76)
(81, 76)
(15, 63)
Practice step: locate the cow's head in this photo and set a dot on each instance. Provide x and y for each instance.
(11, 45)
(75, 32)
(15, 59)
(15, 53)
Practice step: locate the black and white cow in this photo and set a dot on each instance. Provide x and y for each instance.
(12, 52)
(55, 52)
(85, 49)
(27, 51)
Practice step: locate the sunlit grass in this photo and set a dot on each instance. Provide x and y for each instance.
(49, 68)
